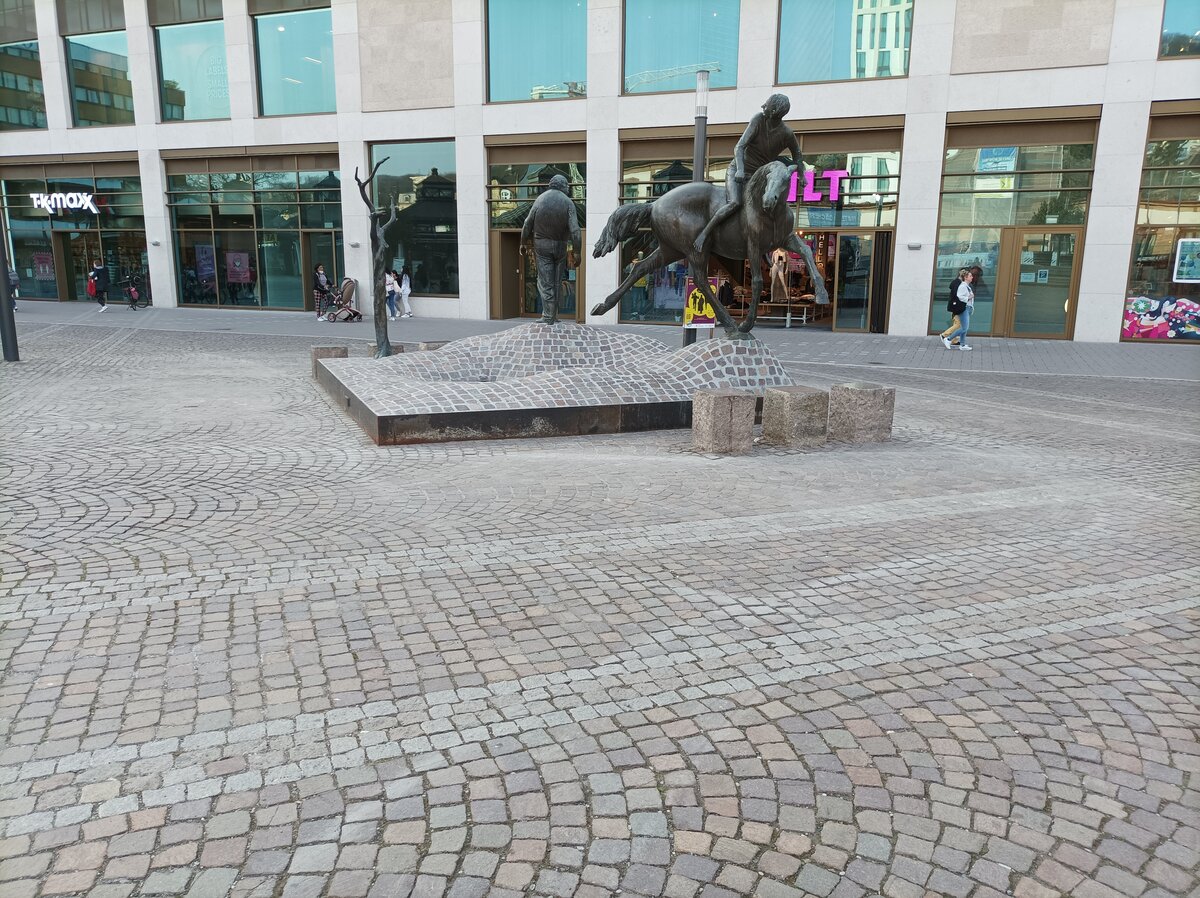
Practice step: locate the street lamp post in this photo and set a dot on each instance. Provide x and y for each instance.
(8, 323)
(699, 148)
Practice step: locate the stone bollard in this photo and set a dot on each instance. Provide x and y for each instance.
(861, 412)
(795, 416)
(327, 352)
(431, 344)
(723, 421)
(372, 348)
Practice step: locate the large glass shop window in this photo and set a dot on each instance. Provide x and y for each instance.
(192, 77)
(22, 100)
(556, 69)
(420, 179)
(250, 239)
(98, 68)
(513, 188)
(114, 233)
(841, 40)
(987, 189)
(668, 41)
(295, 63)
(1162, 299)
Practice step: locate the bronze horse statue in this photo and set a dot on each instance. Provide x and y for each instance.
(763, 224)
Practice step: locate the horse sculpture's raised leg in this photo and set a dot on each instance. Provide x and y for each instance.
(756, 285)
(656, 259)
(798, 246)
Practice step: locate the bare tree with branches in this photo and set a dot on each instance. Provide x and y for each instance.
(380, 257)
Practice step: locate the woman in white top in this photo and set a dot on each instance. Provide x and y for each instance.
(405, 288)
(389, 285)
(966, 294)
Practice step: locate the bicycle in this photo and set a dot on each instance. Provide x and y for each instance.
(134, 295)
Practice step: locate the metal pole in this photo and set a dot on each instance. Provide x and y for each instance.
(8, 323)
(699, 153)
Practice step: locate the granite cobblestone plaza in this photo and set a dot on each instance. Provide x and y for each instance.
(245, 651)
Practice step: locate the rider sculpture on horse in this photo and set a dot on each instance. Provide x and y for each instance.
(763, 141)
(745, 221)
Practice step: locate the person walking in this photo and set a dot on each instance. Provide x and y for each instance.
(14, 286)
(952, 304)
(389, 287)
(965, 303)
(321, 288)
(98, 284)
(404, 279)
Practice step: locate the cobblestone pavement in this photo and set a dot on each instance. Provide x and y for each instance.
(246, 652)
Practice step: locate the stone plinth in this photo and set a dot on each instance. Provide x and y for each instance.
(723, 421)
(795, 416)
(861, 412)
(328, 352)
(537, 380)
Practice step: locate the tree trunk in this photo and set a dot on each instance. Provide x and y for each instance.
(380, 256)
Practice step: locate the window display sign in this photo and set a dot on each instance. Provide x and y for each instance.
(206, 262)
(237, 268)
(1187, 261)
(56, 202)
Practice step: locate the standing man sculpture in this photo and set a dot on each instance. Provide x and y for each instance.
(551, 231)
(764, 139)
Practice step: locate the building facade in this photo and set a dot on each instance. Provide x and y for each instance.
(211, 147)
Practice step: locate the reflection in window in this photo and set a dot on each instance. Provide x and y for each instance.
(420, 178)
(22, 101)
(192, 79)
(837, 40)
(98, 67)
(649, 180)
(295, 62)
(668, 41)
(513, 188)
(1181, 29)
(1162, 300)
(556, 69)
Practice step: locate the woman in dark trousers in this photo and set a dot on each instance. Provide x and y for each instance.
(99, 277)
(321, 287)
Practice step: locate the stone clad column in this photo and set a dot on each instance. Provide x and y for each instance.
(603, 150)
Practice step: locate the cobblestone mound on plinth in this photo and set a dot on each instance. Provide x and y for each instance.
(542, 380)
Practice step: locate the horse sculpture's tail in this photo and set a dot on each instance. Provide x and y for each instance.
(622, 225)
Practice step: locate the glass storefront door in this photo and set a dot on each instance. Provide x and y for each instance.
(852, 292)
(1036, 282)
(78, 250)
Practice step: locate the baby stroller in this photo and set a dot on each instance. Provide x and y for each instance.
(342, 308)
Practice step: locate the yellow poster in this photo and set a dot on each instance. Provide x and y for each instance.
(698, 312)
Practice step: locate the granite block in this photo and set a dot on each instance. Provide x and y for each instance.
(795, 416)
(723, 421)
(861, 412)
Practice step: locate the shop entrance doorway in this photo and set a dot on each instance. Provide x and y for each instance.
(514, 291)
(1037, 282)
(75, 251)
(855, 266)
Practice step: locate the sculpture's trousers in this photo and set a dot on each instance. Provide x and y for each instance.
(551, 258)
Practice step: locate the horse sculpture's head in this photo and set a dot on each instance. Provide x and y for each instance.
(774, 181)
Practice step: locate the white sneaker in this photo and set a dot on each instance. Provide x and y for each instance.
(406, 315)
(966, 348)
(946, 343)
(104, 308)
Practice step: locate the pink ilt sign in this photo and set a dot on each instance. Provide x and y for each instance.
(811, 194)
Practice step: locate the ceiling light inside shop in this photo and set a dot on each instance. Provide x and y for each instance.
(310, 59)
(292, 80)
(280, 28)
